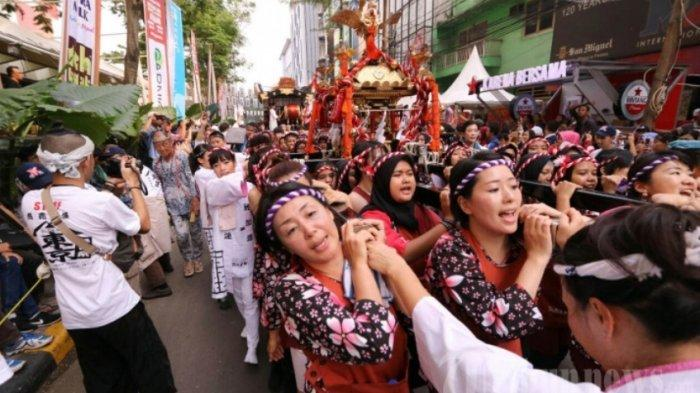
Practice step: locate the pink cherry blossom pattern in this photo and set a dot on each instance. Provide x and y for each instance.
(290, 326)
(449, 284)
(343, 335)
(389, 326)
(492, 317)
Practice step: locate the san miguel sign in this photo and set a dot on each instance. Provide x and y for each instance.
(616, 29)
(525, 77)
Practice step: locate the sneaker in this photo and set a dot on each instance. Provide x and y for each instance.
(157, 293)
(23, 325)
(198, 267)
(226, 303)
(28, 341)
(44, 319)
(251, 357)
(16, 364)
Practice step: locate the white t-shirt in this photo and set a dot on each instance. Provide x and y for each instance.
(201, 178)
(151, 182)
(90, 290)
(237, 244)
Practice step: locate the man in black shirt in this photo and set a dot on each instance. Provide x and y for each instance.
(14, 78)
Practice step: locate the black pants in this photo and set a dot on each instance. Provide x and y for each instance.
(123, 357)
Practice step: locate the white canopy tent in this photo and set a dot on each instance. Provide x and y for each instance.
(458, 92)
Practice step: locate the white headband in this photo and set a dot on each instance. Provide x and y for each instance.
(635, 265)
(66, 164)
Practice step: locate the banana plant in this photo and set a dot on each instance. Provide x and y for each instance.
(99, 112)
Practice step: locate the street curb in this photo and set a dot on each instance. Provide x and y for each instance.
(41, 362)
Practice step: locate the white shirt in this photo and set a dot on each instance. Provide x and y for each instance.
(201, 178)
(237, 244)
(90, 290)
(454, 360)
(5, 371)
(151, 183)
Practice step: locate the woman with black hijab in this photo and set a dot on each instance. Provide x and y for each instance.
(411, 228)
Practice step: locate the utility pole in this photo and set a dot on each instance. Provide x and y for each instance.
(667, 58)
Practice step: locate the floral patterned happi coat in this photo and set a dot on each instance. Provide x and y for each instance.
(481, 294)
(352, 346)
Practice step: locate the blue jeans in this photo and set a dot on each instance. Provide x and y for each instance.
(13, 287)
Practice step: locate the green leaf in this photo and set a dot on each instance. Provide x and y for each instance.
(124, 123)
(108, 101)
(88, 123)
(167, 111)
(194, 110)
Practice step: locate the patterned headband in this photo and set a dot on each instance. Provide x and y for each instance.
(531, 141)
(326, 167)
(650, 167)
(570, 164)
(292, 179)
(527, 163)
(378, 164)
(480, 168)
(283, 201)
(352, 163)
(267, 155)
(633, 265)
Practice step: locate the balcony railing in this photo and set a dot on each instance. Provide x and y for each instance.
(486, 48)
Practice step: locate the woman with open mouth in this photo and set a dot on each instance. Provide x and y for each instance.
(664, 174)
(333, 306)
(411, 228)
(484, 275)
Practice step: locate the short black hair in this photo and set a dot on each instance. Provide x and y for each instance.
(667, 306)
(11, 69)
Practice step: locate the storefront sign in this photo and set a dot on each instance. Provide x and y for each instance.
(522, 105)
(529, 76)
(80, 49)
(176, 58)
(616, 29)
(634, 100)
(156, 44)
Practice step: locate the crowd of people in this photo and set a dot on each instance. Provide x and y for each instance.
(357, 282)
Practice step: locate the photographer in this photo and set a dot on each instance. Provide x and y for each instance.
(156, 243)
(119, 349)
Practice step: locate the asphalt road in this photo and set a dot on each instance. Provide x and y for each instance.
(203, 342)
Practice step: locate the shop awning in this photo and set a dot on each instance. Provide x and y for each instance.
(38, 56)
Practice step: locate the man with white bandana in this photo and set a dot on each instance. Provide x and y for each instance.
(119, 349)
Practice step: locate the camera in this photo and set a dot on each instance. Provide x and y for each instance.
(112, 166)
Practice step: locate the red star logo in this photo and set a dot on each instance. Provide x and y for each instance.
(474, 85)
(34, 172)
(638, 91)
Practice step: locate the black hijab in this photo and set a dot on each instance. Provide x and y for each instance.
(401, 214)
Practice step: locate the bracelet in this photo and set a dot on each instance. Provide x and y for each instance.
(449, 224)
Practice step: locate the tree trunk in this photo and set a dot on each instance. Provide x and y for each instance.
(134, 13)
(667, 58)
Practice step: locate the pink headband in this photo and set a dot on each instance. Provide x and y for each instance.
(292, 179)
(569, 164)
(528, 162)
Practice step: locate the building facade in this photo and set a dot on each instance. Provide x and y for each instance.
(509, 35)
(308, 40)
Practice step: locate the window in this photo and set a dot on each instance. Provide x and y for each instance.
(472, 34)
(539, 15)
